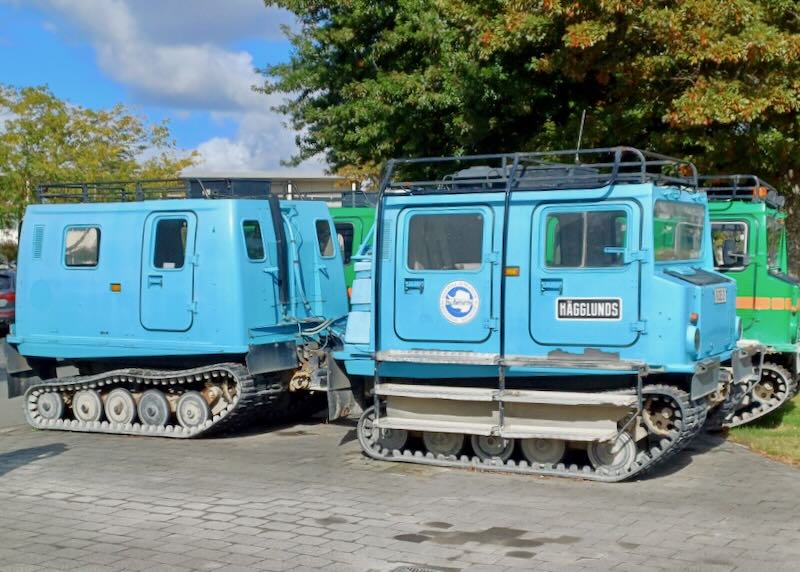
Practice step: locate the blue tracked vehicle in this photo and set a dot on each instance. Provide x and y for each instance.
(172, 317)
(547, 313)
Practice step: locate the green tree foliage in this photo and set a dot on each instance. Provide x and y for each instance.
(717, 81)
(45, 139)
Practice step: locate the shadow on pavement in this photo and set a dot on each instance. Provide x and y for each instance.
(703, 444)
(15, 459)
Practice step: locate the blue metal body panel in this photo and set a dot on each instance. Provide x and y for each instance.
(217, 301)
(654, 328)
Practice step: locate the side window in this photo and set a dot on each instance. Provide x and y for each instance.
(345, 234)
(730, 244)
(170, 244)
(253, 240)
(82, 247)
(580, 239)
(325, 239)
(445, 241)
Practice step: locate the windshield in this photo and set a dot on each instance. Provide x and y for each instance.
(678, 230)
(775, 230)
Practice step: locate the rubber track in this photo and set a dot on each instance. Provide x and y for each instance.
(250, 400)
(743, 416)
(693, 413)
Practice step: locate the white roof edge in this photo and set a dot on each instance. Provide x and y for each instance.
(283, 176)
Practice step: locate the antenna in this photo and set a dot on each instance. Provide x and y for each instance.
(580, 137)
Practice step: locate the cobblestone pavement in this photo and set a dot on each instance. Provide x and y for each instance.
(303, 497)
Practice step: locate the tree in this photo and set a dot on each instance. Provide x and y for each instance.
(716, 81)
(44, 139)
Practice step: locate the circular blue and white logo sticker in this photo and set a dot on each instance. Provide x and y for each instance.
(459, 302)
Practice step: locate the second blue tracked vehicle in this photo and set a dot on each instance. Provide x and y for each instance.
(545, 313)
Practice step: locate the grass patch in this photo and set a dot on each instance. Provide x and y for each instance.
(776, 435)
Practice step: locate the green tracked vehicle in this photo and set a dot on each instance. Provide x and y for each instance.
(749, 245)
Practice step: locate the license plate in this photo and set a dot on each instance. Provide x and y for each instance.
(720, 295)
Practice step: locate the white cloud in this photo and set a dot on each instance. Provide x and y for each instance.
(176, 54)
(259, 144)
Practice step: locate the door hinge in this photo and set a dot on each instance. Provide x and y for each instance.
(492, 258)
(193, 307)
(196, 260)
(491, 324)
(637, 256)
(639, 326)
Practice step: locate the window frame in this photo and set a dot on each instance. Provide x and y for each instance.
(261, 238)
(185, 246)
(70, 227)
(746, 244)
(563, 209)
(454, 212)
(331, 234)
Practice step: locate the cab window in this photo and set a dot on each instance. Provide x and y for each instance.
(730, 244)
(678, 230)
(581, 239)
(169, 252)
(445, 241)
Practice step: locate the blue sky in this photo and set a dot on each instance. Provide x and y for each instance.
(191, 66)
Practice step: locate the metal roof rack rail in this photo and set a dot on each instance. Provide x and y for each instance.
(740, 188)
(189, 188)
(111, 191)
(547, 170)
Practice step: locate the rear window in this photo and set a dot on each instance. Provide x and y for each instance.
(344, 233)
(253, 240)
(580, 239)
(82, 247)
(325, 239)
(445, 241)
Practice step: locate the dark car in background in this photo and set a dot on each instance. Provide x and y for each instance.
(8, 298)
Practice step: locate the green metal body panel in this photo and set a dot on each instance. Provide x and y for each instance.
(352, 227)
(767, 297)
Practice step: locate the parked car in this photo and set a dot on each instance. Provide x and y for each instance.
(8, 298)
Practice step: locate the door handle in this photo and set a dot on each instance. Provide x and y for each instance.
(551, 285)
(413, 284)
(155, 280)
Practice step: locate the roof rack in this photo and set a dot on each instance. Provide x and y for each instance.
(548, 170)
(741, 188)
(190, 188)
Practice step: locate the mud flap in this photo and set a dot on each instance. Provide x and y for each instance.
(705, 379)
(335, 383)
(745, 370)
(342, 403)
(20, 374)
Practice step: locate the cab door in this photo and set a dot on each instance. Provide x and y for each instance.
(167, 287)
(444, 275)
(586, 287)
